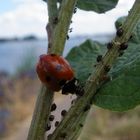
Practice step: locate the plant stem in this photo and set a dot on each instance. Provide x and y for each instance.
(52, 13)
(41, 113)
(45, 97)
(73, 118)
(64, 19)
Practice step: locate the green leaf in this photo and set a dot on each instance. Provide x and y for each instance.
(123, 92)
(83, 58)
(99, 6)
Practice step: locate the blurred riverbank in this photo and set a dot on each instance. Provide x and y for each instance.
(14, 53)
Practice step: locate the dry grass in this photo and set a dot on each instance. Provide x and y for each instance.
(100, 124)
(105, 125)
(19, 100)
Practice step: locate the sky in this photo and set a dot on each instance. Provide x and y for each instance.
(23, 17)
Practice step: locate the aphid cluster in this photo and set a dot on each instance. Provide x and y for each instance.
(70, 30)
(75, 10)
(123, 46)
(53, 121)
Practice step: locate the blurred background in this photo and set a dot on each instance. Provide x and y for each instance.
(22, 39)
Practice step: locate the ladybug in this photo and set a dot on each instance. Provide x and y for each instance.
(56, 73)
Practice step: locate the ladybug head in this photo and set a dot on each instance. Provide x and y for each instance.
(73, 86)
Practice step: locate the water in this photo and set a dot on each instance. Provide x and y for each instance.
(13, 53)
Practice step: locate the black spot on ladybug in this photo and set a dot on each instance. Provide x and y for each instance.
(99, 58)
(53, 107)
(63, 113)
(48, 127)
(58, 67)
(56, 123)
(51, 117)
(119, 32)
(107, 68)
(109, 45)
(48, 78)
(86, 108)
(123, 46)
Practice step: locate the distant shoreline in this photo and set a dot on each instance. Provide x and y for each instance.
(35, 38)
(29, 37)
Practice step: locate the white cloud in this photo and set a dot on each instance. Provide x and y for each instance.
(30, 17)
(26, 1)
(26, 18)
(93, 23)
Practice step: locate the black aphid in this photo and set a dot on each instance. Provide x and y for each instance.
(53, 107)
(119, 32)
(109, 45)
(63, 113)
(99, 58)
(51, 117)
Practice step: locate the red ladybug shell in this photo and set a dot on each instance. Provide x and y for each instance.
(52, 69)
